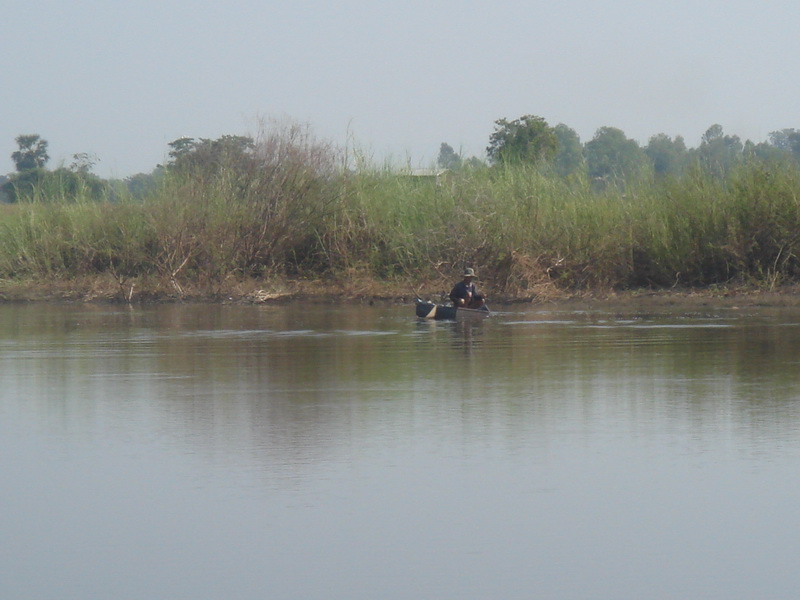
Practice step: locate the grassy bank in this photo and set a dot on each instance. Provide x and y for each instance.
(293, 219)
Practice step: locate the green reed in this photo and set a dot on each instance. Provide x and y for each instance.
(524, 226)
(68, 238)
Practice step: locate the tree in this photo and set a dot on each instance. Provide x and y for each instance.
(4, 197)
(473, 162)
(83, 163)
(719, 153)
(206, 156)
(448, 159)
(569, 156)
(780, 138)
(786, 139)
(32, 153)
(527, 139)
(766, 152)
(669, 156)
(142, 185)
(180, 148)
(612, 157)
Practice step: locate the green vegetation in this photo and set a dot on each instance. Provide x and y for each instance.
(524, 140)
(289, 206)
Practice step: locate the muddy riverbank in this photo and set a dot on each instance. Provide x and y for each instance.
(360, 290)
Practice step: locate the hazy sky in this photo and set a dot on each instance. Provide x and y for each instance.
(122, 79)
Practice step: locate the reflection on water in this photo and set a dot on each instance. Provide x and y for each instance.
(310, 451)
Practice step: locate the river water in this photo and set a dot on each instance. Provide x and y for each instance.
(354, 452)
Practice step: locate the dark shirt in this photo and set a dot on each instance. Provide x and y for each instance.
(462, 289)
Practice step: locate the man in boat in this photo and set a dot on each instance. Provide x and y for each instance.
(465, 294)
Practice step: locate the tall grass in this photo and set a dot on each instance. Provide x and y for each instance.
(294, 209)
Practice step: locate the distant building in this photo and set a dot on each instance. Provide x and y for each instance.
(425, 174)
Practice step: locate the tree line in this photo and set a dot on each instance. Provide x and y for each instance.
(32, 179)
(610, 157)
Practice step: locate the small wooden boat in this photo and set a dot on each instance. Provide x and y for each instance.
(430, 310)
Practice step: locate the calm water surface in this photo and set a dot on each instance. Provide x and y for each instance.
(316, 452)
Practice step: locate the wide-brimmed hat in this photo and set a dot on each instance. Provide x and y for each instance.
(469, 272)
